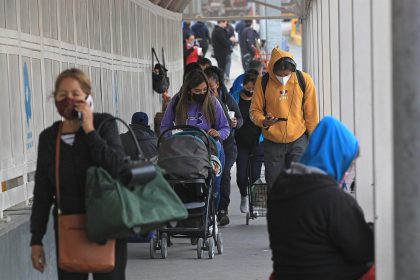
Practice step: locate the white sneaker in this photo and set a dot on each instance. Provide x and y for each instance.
(244, 204)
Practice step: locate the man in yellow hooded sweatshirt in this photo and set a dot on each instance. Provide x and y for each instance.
(286, 113)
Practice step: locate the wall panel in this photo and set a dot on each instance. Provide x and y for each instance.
(108, 39)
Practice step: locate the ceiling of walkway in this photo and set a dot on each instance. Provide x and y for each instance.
(297, 7)
(173, 5)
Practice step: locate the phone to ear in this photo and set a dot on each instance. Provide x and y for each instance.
(89, 101)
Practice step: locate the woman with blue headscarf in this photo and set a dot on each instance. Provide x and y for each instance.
(317, 230)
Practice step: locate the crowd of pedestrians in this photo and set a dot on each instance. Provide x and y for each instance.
(316, 230)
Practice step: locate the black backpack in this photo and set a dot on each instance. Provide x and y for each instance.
(301, 81)
(161, 79)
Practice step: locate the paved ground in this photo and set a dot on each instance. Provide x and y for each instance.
(246, 256)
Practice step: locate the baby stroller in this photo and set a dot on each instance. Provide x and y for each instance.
(257, 190)
(186, 157)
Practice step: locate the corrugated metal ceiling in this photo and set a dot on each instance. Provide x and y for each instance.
(177, 6)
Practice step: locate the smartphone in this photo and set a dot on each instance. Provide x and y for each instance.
(89, 101)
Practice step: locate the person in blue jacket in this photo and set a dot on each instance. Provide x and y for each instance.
(249, 141)
(255, 66)
(316, 229)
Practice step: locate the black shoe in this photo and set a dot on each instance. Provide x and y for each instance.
(223, 218)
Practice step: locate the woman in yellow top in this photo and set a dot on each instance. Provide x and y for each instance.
(284, 105)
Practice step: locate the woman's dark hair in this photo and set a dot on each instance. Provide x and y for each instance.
(256, 64)
(193, 79)
(190, 67)
(250, 77)
(204, 61)
(212, 75)
(217, 71)
(252, 71)
(284, 63)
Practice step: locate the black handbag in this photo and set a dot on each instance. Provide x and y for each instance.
(159, 73)
(136, 171)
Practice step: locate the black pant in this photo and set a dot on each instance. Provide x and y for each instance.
(221, 61)
(204, 44)
(231, 152)
(117, 274)
(244, 154)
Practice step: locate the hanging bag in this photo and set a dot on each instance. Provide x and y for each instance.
(75, 252)
(159, 73)
(139, 198)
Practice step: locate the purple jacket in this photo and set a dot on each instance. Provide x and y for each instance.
(197, 118)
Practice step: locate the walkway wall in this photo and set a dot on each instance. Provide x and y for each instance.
(111, 40)
(347, 50)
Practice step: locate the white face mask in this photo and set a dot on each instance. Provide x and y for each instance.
(284, 80)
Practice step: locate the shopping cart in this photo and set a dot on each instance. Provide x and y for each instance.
(257, 189)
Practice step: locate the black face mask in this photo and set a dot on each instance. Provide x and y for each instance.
(199, 98)
(248, 93)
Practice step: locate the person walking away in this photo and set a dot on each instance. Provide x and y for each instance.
(234, 116)
(248, 44)
(238, 28)
(202, 35)
(191, 51)
(81, 147)
(255, 66)
(221, 44)
(145, 136)
(249, 142)
(316, 229)
(231, 34)
(194, 105)
(186, 29)
(284, 105)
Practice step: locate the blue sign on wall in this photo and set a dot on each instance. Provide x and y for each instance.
(28, 106)
(116, 94)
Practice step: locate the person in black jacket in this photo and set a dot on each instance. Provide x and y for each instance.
(316, 229)
(221, 44)
(229, 105)
(145, 136)
(248, 43)
(82, 146)
(249, 141)
(201, 33)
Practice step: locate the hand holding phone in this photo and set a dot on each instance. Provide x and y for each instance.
(85, 113)
(269, 120)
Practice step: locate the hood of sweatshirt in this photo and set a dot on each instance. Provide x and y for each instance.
(332, 148)
(276, 55)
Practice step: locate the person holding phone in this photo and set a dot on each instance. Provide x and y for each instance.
(286, 110)
(82, 146)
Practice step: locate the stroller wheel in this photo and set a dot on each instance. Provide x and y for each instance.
(247, 218)
(219, 242)
(152, 247)
(164, 246)
(200, 248)
(211, 247)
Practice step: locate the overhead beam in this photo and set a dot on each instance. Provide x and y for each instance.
(268, 5)
(235, 18)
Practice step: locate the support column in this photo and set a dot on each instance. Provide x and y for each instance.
(406, 112)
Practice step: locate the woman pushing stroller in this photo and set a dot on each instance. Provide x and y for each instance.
(195, 106)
